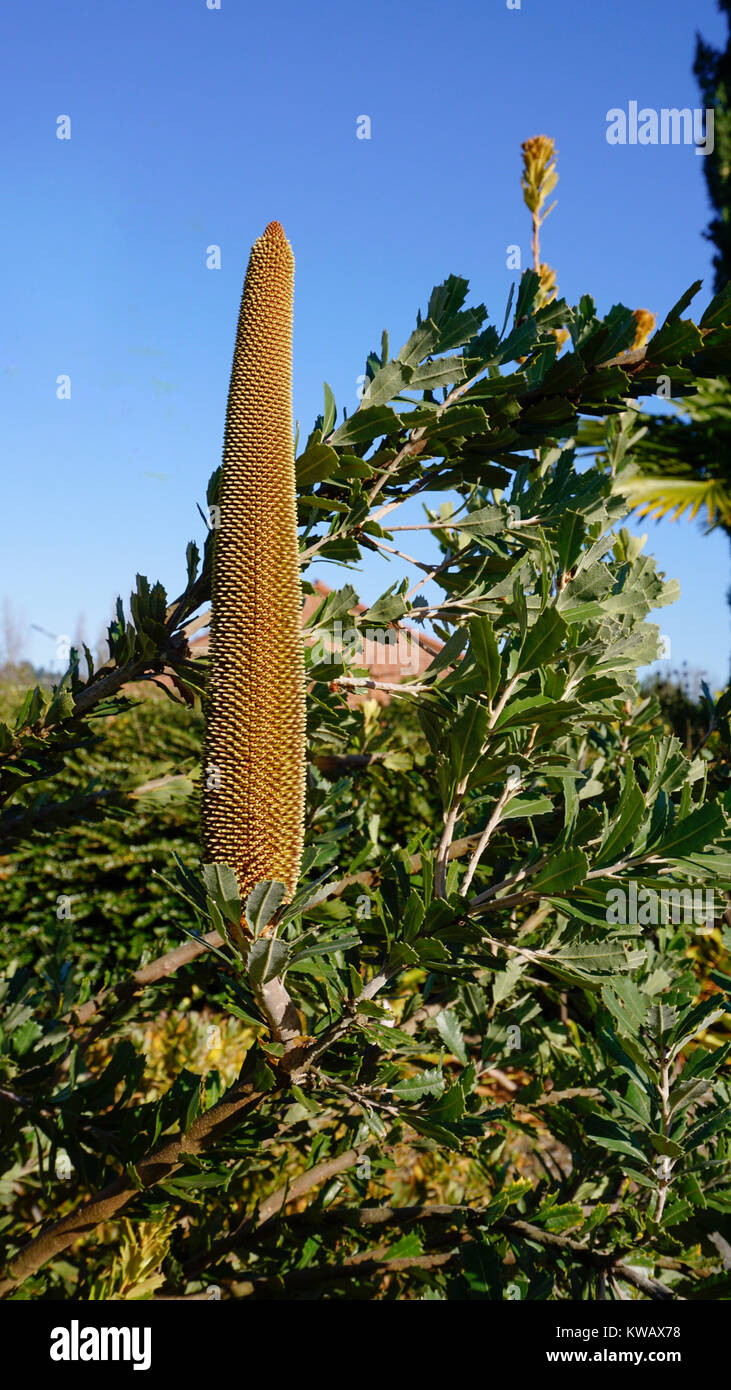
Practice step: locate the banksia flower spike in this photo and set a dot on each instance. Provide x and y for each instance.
(254, 760)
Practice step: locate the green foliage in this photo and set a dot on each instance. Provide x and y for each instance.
(99, 838)
(457, 1074)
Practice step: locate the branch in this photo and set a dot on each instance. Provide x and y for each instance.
(164, 1161)
(158, 969)
(452, 813)
(290, 1191)
(445, 843)
(376, 1260)
(150, 1170)
(17, 824)
(484, 839)
(368, 1262)
(396, 687)
(453, 558)
(596, 1259)
(370, 542)
(337, 762)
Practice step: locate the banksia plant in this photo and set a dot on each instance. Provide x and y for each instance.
(254, 759)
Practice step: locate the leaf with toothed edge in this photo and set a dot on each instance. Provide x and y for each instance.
(262, 903)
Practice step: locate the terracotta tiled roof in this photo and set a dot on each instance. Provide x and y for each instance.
(404, 657)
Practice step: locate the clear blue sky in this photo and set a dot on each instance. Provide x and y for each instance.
(191, 127)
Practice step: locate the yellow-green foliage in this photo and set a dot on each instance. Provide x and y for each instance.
(135, 1269)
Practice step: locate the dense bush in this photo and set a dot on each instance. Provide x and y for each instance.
(501, 1089)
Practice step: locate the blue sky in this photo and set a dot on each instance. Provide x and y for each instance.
(192, 127)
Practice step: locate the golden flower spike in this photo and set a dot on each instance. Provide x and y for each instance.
(254, 758)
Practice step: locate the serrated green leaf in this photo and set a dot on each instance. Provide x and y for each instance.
(221, 885)
(266, 959)
(262, 903)
(450, 1031)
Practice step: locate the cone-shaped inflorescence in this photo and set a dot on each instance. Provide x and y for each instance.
(254, 761)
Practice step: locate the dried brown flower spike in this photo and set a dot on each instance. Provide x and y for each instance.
(254, 764)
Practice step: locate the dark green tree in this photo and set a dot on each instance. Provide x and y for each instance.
(712, 68)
